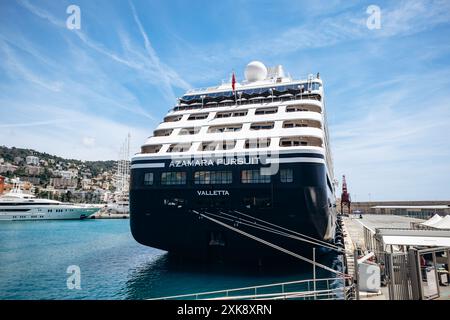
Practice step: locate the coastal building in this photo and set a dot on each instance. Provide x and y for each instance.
(18, 160)
(32, 160)
(7, 167)
(33, 170)
(418, 209)
(421, 212)
(65, 174)
(58, 183)
(33, 180)
(86, 184)
(2, 184)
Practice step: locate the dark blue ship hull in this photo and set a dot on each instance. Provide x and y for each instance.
(163, 216)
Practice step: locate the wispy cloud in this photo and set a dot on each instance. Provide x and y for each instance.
(149, 65)
(398, 19)
(166, 73)
(399, 142)
(16, 68)
(35, 123)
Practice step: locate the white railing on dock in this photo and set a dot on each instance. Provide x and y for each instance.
(325, 289)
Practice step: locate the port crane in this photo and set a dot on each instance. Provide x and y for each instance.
(345, 197)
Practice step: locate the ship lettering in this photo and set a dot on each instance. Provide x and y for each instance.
(212, 162)
(213, 192)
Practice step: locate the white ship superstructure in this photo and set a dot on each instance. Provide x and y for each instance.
(267, 112)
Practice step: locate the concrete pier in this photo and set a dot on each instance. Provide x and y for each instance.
(354, 238)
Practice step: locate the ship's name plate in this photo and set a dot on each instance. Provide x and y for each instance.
(212, 162)
(213, 192)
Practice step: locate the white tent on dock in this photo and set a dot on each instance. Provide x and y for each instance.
(434, 219)
(444, 223)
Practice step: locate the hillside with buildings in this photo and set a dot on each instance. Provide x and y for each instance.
(53, 177)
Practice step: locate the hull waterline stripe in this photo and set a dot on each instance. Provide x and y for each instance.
(294, 160)
(148, 165)
(280, 160)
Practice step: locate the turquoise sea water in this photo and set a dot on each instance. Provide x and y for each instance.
(34, 257)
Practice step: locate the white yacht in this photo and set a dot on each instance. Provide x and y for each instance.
(17, 205)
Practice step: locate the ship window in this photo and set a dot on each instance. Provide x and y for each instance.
(219, 145)
(240, 113)
(173, 178)
(301, 123)
(208, 146)
(224, 114)
(237, 113)
(266, 111)
(162, 132)
(302, 108)
(179, 147)
(257, 143)
(225, 128)
(174, 202)
(198, 116)
(315, 86)
(151, 148)
(262, 125)
(226, 145)
(148, 178)
(189, 131)
(213, 177)
(254, 176)
(300, 141)
(286, 175)
(173, 118)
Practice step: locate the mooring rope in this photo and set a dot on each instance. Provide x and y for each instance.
(288, 230)
(267, 243)
(273, 230)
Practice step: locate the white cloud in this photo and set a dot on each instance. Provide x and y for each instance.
(88, 141)
(399, 143)
(80, 136)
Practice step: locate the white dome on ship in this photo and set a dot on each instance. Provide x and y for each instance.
(255, 71)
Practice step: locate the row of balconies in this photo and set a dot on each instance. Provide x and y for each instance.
(265, 125)
(220, 145)
(244, 112)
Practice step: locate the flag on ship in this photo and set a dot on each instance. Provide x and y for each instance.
(233, 82)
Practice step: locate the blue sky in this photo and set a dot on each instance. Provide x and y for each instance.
(77, 93)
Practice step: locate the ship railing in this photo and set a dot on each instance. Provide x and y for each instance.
(309, 289)
(300, 96)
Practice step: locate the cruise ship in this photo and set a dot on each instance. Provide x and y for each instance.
(257, 149)
(19, 206)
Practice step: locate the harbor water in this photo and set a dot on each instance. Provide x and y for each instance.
(35, 257)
